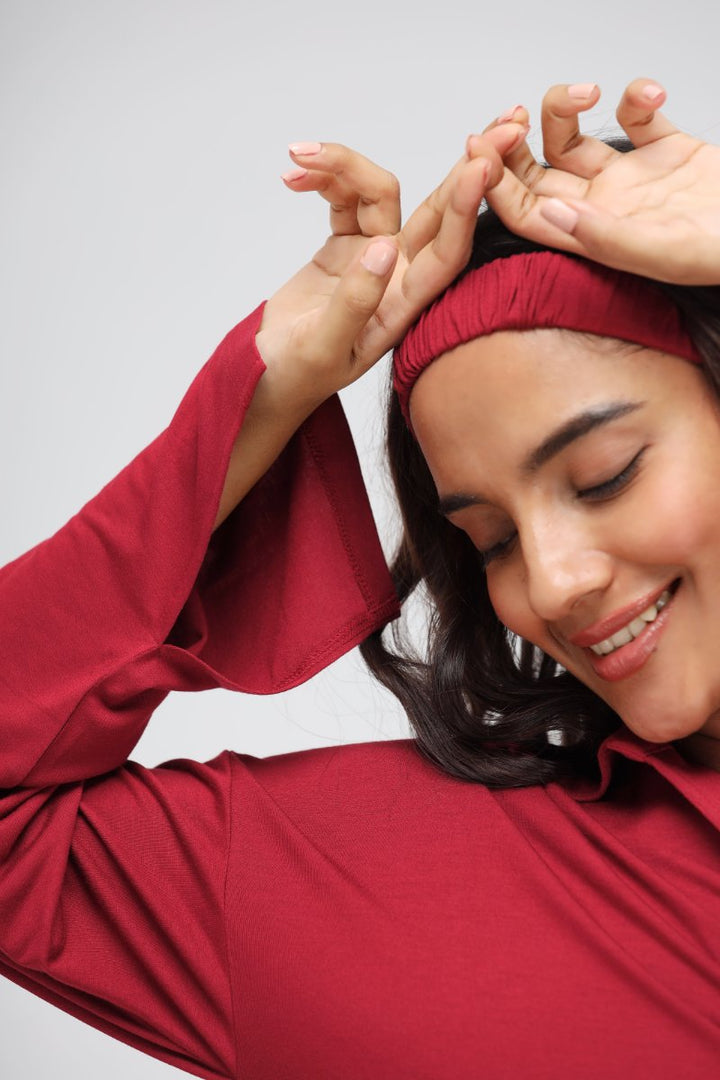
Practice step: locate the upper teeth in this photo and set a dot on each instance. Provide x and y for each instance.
(633, 629)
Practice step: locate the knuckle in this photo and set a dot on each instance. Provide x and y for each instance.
(381, 321)
(531, 174)
(627, 116)
(553, 95)
(337, 151)
(431, 204)
(391, 186)
(526, 202)
(555, 114)
(359, 302)
(558, 150)
(386, 188)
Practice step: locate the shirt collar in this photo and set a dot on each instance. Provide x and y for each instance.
(698, 783)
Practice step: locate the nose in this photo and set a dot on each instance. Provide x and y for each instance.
(565, 564)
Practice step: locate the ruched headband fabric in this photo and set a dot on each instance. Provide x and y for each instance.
(540, 289)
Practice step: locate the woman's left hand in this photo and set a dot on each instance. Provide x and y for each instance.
(653, 211)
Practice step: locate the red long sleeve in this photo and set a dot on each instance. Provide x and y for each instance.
(113, 875)
(346, 913)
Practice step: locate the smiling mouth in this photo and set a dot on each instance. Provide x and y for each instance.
(635, 627)
(632, 645)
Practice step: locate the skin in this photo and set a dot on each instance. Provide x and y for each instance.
(654, 211)
(346, 307)
(560, 556)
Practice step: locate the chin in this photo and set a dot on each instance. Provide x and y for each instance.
(654, 722)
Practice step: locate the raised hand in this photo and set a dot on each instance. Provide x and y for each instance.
(654, 210)
(354, 300)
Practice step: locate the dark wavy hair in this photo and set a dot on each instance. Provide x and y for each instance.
(484, 705)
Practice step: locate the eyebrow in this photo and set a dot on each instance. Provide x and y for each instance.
(574, 428)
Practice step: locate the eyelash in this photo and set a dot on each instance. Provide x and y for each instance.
(598, 493)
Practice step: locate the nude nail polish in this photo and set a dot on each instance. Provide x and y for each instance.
(506, 117)
(304, 149)
(294, 174)
(560, 214)
(379, 257)
(580, 91)
(652, 92)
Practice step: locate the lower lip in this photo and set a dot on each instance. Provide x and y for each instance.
(629, 658)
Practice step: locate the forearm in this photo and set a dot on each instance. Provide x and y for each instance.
(86, 611)
(274, 415)
(135, 596)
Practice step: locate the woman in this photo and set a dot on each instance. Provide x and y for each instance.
(355, 911)
(474, 677)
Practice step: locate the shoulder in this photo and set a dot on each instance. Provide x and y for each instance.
(372, 777)
(353, 763)
(370, 804)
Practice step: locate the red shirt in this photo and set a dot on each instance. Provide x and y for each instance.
(349, 912)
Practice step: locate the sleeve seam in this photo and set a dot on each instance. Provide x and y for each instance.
(231, 803)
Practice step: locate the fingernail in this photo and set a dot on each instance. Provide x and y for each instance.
(483, 169)
(560, 214)
(522, 134)
(652, 92)
(304, 149)
(379, 257)
(507, 116)
(580, 91)
(294, 174)
(474, 145)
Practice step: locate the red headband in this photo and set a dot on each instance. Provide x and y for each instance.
(540, 289)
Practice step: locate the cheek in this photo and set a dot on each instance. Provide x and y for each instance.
(508, 595)
(675, 523)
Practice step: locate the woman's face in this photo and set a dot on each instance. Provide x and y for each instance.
(588, 473)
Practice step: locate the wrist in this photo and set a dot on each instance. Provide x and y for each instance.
(288, 388)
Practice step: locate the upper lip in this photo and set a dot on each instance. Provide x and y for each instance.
(605, 628)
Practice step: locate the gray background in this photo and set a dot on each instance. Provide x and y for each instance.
(142, 217)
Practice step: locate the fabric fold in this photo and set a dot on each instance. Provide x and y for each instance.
(136, 596)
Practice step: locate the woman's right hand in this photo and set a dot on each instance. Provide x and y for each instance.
(653, 211)
(371, 279)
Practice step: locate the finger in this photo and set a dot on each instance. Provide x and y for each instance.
(439, 262)
(424, 223)
(343, 203)
(518, 187)
(650, 248)
(563, 144)
(362, 192)
(518, 114)
(521, 211)
(637, 113)
(356, 298)
(520, 159)
(502, 139)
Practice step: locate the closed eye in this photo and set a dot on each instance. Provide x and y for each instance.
(497, 550)
(597, 493)
(616, 483)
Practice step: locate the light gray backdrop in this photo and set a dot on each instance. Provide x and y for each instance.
(142, 217)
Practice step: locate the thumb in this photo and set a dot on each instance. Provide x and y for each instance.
(619, 242)
(597, 233)
(356, 297)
